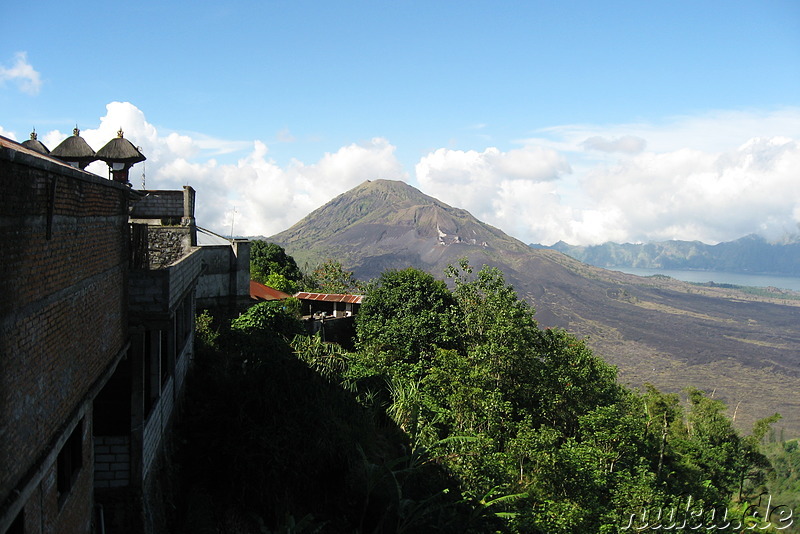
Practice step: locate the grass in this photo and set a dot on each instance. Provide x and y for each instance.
(760, 343)
(677, 311)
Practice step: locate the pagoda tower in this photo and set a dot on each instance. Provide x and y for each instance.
(120, 155)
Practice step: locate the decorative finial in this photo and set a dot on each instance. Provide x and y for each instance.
(33, 135)
(119, 132)
(76, 131)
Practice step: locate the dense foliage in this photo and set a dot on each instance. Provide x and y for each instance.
(270, 265)
(407, 315)
(456, 413)
(331, 277)
(784, 481)
(547, 424)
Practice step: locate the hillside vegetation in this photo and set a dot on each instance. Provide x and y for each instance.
(740, 346)
(456, 413)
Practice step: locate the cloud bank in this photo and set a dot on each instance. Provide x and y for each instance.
(253, 196)
(705, 178)
(712, 178)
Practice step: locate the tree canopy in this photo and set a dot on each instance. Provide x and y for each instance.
(406, 315)
(531, 414)
(458, 413)
(270, 259)
(331, 277)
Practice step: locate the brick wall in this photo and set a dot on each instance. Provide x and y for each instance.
(159, 205)
(160, 418)
(112, 461)
(47, 512)
(176, 207)
(73, 513)
(63, 309)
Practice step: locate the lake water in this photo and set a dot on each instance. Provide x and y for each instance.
(720, 277)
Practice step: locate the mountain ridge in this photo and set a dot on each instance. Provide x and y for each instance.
(750, 254)
(655, 330)
(384, 215)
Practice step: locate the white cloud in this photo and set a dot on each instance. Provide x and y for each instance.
(286, 136)
(266, 198)
(692, 194)
(27, 78)
(715, 177)
(514, 190)
(713, 131)
(8, 134)
(269, 199)
(629, 144)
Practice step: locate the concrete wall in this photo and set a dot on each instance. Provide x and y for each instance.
(225, 281)
(159, 291)
(159, 205)
(63, 326)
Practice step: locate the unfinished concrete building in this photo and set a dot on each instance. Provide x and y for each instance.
(99, 285)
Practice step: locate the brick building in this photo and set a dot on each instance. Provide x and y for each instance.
(134, 411)
(98, 288)
(63, 333)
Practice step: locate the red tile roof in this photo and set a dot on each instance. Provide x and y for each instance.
(329, 297)
(259, 291)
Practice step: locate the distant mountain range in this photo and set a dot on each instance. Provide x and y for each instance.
(655, 329)
(751, 254)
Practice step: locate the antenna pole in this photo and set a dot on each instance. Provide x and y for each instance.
(233, 217)
(144, 167)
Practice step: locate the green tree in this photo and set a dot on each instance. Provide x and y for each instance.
(267, 327)
(527, 427)
(405, 316)
(269, 258)
(499, 330)
(281, 283)
(331, 277)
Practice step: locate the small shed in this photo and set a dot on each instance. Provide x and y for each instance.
(330, 304)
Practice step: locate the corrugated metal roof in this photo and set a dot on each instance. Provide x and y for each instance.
(329, 297)
(259, 291)
(209, 238)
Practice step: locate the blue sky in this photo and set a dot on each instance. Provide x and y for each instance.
(582, 121)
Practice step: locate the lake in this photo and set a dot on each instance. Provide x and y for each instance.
(719, 277)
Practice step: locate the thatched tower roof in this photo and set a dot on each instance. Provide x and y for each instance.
(34, 144)
(120, 150)
(74, 149)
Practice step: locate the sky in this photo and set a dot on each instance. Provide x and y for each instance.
(578, 121)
